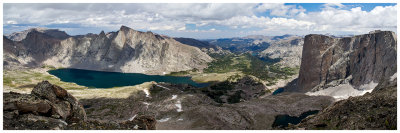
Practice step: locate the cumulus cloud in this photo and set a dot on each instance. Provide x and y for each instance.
(253, 18)
(334, 5)
(353, 20)
(279, 9)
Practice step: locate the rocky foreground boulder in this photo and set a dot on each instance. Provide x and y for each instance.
(52, 107)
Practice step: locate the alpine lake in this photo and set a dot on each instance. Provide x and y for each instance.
(101, 79)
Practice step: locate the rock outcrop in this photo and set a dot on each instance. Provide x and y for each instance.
(127, 50)
(376, 110)
(361, 61)
(51, 107)
(47, 103)
(243, 89)
(184, 107)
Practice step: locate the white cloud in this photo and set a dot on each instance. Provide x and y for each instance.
(354, 20)
(241, 18)
(182, 28)
(279, 9)
(11, 22)
(334, 5)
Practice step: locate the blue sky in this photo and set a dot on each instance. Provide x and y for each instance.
(205, 21)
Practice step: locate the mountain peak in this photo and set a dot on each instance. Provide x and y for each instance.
(102, 33)
(123, 27)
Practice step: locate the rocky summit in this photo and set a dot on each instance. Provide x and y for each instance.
(52, 107)
(361, 61)
(126, 50)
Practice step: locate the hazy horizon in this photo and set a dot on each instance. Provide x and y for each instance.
(198, 38)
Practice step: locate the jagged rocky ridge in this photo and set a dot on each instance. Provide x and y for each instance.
(360, 62)
(126, 50)
(51, 107)
(286, 48)
(19, 36)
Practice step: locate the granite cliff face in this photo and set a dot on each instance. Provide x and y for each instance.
(360, 62)
(126, 50)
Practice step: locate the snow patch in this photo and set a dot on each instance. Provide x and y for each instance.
(394, 76)
(174, 96)
(180, 119)
(136, 127)
(147, 92)
(179, 106)
(162, 86)
(344, 91)
(370, 86)
(133, 117)
(147, 104)
(63, 122)
(164, 120)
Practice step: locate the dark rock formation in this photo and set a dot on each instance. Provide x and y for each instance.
(178, 107)
(51, 107)
(245, 88)
(357, 60)
(376, 110)
(47, 102)
(140, 123)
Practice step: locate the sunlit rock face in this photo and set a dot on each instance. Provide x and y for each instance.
(126, 50)
(360, 61)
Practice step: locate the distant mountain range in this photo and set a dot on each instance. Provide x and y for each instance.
(253, 43)
(126, 50)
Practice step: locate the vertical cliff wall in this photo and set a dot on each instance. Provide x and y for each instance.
(361, 61)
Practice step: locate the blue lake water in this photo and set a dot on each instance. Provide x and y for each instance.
(284, 120)
(99, 79)
(277, 91)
